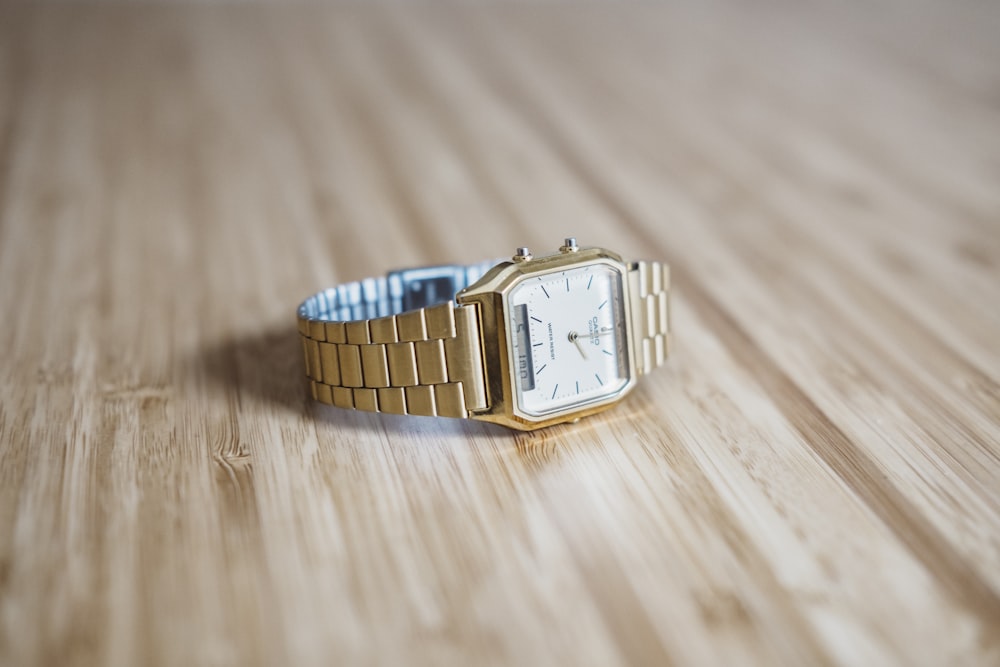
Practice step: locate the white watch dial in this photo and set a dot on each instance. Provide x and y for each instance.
(566, 332)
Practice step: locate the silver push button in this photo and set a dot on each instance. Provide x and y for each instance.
(569, 245)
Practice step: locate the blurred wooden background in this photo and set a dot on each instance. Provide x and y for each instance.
(814, 478)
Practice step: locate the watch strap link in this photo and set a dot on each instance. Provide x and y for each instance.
(649, 286)
(378, 345)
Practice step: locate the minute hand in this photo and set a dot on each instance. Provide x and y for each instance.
(574, 337)
(605, 331)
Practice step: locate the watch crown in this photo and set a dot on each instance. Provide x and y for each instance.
(569, 245)
(522, 255)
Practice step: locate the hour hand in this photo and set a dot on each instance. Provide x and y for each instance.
(574, 338)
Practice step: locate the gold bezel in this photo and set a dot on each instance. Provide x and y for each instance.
(490, 294)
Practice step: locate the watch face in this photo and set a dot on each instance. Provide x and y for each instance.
(567, 338)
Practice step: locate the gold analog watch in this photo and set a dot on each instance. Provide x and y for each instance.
(526, 342)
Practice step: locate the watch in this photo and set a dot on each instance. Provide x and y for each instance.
(526, 342)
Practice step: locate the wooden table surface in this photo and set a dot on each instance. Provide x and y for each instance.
(813, 479)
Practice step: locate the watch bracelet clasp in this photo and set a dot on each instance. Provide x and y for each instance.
(411, 289)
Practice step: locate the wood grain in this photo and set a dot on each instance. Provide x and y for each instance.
(814, 479)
